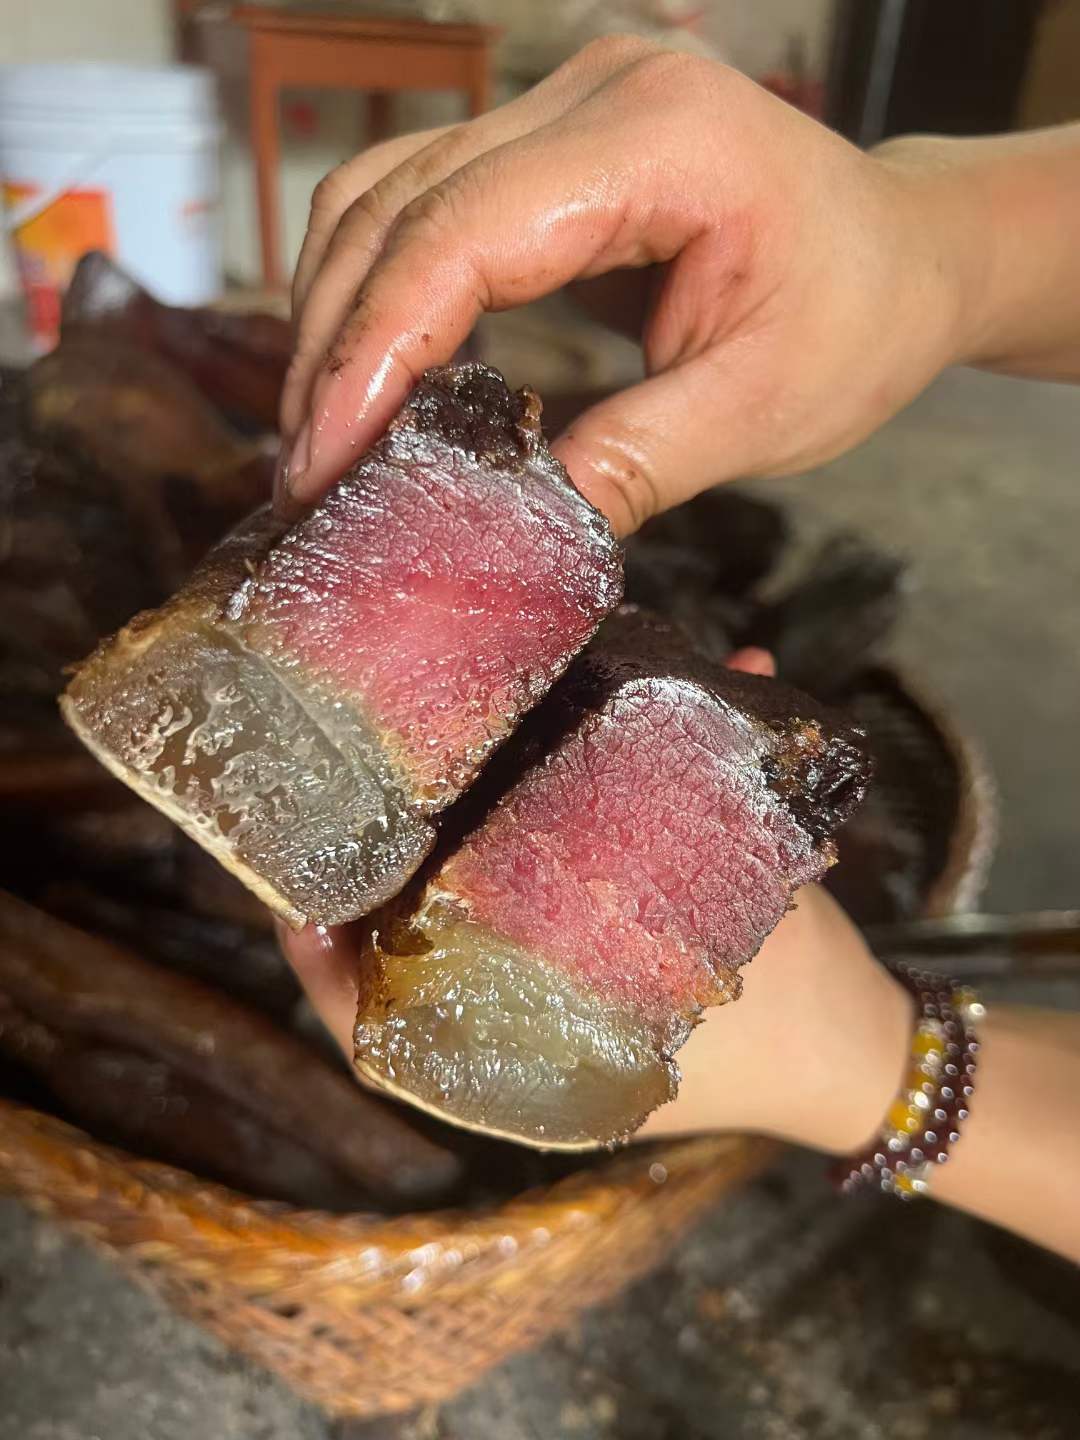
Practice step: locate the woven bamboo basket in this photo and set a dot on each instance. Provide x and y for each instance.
(363, 1314)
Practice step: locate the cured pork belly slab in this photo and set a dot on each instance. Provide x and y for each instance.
(637, 842)
(313, 696)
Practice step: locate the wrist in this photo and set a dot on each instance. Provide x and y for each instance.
(948, 229)
(842, 1025)
(997, 218)
(813, 1052)
(848, 1024)
(851, 1092)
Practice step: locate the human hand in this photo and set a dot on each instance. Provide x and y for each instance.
(799, 292)
(813, 1050)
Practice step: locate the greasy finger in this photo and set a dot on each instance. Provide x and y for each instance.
(488, 238)
(326, 964)
(337, 190)
(333, 196)
(342, 259)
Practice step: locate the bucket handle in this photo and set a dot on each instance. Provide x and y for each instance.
(36, 205)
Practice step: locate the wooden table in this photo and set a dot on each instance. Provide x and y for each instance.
(314, 49)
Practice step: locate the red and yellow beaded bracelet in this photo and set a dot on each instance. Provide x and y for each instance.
(926, 1118)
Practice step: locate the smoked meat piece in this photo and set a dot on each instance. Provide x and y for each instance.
(652, 822)
(311, 699)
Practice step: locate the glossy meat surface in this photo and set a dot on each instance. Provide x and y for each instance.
(312, 697)
(300, 804)
(663, 817)
(460, 1020)
(444, 584)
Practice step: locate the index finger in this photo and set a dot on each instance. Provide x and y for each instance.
(331, 200)
(574, 198)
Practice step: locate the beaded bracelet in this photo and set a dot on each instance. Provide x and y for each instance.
(926, 1117)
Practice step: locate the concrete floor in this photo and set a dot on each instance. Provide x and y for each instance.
(977, 483)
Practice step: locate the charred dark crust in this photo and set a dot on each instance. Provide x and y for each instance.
(472, 408)
(821, 777)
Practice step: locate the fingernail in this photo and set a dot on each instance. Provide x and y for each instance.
(281, 479)
(752, 660)
(299, 458)
(291, 464)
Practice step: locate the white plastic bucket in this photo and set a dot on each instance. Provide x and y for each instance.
(116, 158)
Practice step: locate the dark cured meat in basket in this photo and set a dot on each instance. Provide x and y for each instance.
(657, 815)
(70, 565)
(115, 477)
(721, 543)
(157, 1061)
(246, 964)
(161, 453)
(822, 630)
(313, 697)
(237, 360)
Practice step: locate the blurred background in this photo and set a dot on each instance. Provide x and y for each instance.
(929, 580)
(888, 66)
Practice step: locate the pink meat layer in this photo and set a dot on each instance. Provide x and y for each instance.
(439, 597)
(647, 857)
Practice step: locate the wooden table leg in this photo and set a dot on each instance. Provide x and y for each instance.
(480, 82)
(380, 116)
(266, 144)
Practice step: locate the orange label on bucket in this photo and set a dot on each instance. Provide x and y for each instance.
(49, 245)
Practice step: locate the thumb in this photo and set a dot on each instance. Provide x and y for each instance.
(660, 442)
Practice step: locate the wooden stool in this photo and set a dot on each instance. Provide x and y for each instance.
(322, 50)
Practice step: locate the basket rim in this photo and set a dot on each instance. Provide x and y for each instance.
(65, 1147)
(972, 840)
